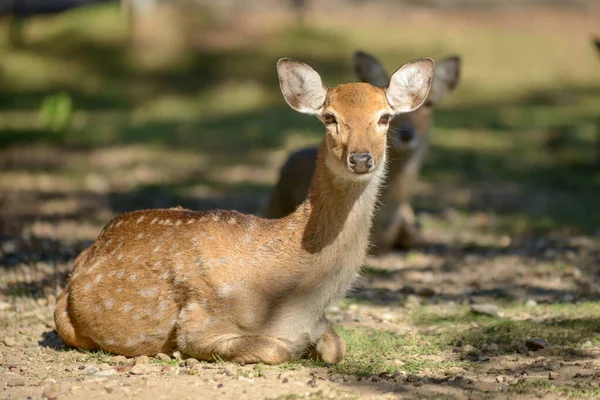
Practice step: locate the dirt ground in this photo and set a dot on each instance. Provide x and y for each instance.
(501, 303)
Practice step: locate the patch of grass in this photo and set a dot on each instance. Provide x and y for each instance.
(172, 362)
(372, 352)
(564, 325)
(545, 387)
(97, 356)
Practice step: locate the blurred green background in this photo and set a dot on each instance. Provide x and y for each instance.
(103, 111)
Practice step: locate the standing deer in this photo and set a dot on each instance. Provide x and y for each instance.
(238, 287)
(394, 223)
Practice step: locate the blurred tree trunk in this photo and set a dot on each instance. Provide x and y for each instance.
(15, 31)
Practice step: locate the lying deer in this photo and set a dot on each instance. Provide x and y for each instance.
(394, 223)
(226, 285)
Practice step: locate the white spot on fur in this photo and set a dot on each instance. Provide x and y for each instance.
(192, 306)
(139, 236)
(140, 219)
(112, 273)
(231, 221)
(191, 221)
(133, 277)
(152, 292)
(167, 221)
(228, 289)
(157, 248)
(109, 303)
(178, 222)
(215, 217)
(163, 305)
(98, 278)
(165, 275)
(120, 257)
(127, 307)
(137, 257)
(153, 221)
(136, 317)
(87, 287)
(161, 331)
(143, 338)
(119, 290)
(121, 275)
(118, 224)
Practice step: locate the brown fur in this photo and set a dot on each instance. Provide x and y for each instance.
(394, 223)
(234, 286)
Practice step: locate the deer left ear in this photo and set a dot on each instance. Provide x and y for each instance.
(409, 85)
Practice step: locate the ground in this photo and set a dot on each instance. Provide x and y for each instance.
(501, 302)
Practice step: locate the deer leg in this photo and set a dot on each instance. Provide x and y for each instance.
(330, 347)
(65, 327)
(201, 337)
(408, 235)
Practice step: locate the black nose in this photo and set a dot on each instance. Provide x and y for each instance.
(360, 162)
(406, 134)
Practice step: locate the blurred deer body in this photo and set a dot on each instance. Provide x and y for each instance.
(394, 223)
(238, 287)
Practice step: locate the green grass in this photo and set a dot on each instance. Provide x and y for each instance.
(565, 326)
(544, 387)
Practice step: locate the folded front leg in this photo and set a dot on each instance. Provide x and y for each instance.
(330, 347)
(206, 338)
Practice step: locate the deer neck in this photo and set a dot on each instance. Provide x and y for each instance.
(337, 218)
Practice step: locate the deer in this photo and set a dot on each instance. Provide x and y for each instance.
(236, 287)
(408, 141)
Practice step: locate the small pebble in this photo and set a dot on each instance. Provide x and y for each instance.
(51, 390)
(535, 344)
(141, 360)
(10, 342)
(108, 372)
(138, 369)
(117, 360)
(163, 357)
(531, 303)
(190, 362)
(177, 355)
(486, 309)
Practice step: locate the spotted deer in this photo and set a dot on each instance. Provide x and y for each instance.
(394, 224)
(221, 284)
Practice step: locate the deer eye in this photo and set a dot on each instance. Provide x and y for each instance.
(384, 119)
(329, 119)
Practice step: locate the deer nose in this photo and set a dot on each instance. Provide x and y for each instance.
(360, 162)
(406, 134)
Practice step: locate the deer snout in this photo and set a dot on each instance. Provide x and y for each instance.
(360, 162)
(406, 134)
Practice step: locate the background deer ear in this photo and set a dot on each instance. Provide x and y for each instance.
(410, 84)
(301, 86)
(447, 75)
(369, 69)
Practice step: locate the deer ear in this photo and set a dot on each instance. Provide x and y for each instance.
(447, 75)
(409, 85)
(301, 86)
(369, 69)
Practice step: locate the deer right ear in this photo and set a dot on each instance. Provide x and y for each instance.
(410, 84)
(369, 69)
(301, 86)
